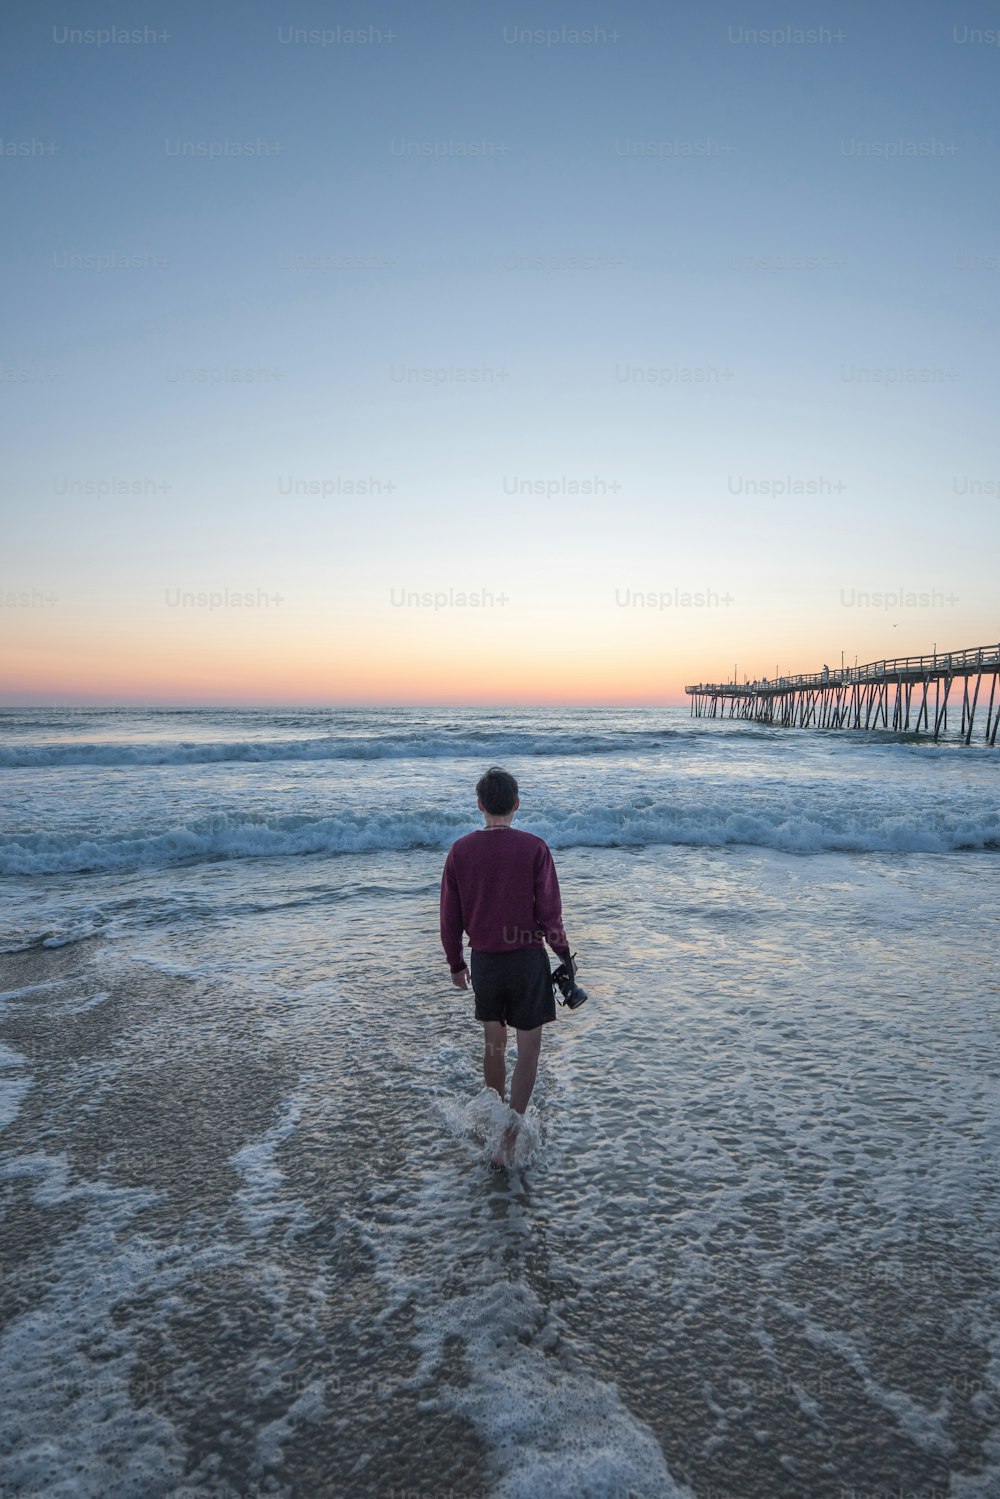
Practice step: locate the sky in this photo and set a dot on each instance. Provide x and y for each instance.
(493, 354)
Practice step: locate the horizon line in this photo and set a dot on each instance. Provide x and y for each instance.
(329, 707)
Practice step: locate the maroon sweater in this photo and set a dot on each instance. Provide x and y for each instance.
(500, 886)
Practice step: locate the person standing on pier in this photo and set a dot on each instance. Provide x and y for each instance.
(500, 885)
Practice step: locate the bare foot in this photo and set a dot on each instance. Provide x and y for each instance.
(503, 1156)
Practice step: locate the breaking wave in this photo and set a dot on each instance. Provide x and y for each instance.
(464, 745)
(771, 824)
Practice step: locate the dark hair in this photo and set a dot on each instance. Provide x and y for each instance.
(497, 790)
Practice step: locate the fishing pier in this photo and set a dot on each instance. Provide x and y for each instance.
(902, 696)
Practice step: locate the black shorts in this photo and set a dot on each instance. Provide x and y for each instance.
(514, 988)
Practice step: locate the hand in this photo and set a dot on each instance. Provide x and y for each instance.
(461, 978)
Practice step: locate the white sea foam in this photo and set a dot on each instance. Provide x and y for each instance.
(68, 1421)
(71, 1367)
(551, 1428)
(782, 823)
(90, 1003)
(552, 1431)
(12, 1088)
(78, 930)
(262, 1198)
(926, 1428)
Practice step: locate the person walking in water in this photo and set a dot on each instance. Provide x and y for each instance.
(499, 885)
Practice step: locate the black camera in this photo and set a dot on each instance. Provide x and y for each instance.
(563, 978)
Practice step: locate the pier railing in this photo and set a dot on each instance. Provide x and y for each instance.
(976, 657)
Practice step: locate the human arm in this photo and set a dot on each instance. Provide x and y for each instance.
(548, 906)
(452, 924)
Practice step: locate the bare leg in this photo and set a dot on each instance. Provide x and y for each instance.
(494, 1059)
(529, 1045)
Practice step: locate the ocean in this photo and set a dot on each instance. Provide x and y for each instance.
(249, 1242)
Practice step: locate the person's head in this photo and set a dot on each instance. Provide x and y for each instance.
(496, 792)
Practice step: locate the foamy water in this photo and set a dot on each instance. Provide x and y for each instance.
(250, 1243)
